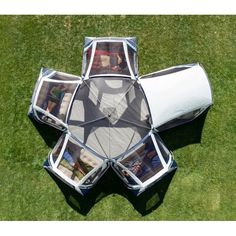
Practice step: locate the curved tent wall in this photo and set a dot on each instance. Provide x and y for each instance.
(74, 164)
(109, 56)
(144, 164)
(53, 96)
(176, 93)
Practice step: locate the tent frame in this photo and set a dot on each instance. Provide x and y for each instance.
(34, 108)
(125, 47)
(77, 185)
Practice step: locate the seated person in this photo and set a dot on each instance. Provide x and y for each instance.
(146, 162)
(136, 168)
(55, 95)
(115, 62)
(151, 158)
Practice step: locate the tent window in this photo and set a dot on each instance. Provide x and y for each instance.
(144, 162)
(56, 151)
(48, 120)
(76, 162)
(92, 178)
(133, 59)
(164, 72)
(55, 98)
(164, 151)
(109, 58)
(125, 175)
(86, 60)
(64, 76)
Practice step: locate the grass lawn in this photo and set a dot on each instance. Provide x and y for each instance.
(204, 186)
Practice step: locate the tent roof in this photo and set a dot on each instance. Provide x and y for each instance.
(109, 115)
(175, 92)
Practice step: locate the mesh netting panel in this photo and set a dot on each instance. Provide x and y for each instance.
(144, 162)
(124, 136)
(109, 58)
(94, 135)
(77, 162)
(109, 115)
(133, 108)
(55, 98)
(85, 108)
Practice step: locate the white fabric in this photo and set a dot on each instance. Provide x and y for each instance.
(175, 94)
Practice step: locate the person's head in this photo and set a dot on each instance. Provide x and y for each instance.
(136, 167)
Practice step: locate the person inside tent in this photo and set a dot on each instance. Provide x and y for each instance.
(115, 62)
(151, 158)
(79, 165)
(55, 95)
(147, 161)
(67, 155)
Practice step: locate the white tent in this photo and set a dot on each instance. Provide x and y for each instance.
(109, 117)
(181, 92)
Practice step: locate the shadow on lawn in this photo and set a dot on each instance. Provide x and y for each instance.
(111, 184)
(146, 202)
(49, 134)
(184, 135)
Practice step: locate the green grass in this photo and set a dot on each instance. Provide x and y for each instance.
(203, 188)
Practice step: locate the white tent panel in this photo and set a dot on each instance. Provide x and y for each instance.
(171, 95)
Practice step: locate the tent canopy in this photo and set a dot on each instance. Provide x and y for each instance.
(177, 92)
(109, 115)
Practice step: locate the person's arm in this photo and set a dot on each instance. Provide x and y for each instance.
(51, 91)
(119, 60)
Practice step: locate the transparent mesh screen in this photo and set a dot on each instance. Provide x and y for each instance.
(64, 76)
(132, 59)
(164, 151)
(86, 60)
(109, 115)
(94, 135)
(144, 162)
(109, 58)
(76, 162)
(94, 177)
(57, 149)
(50, 121)
(55, 97)
(125, 175)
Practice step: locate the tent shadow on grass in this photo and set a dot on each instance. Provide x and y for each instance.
(49, 134)
(183, 135)
(111, 184)
(146, 202)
